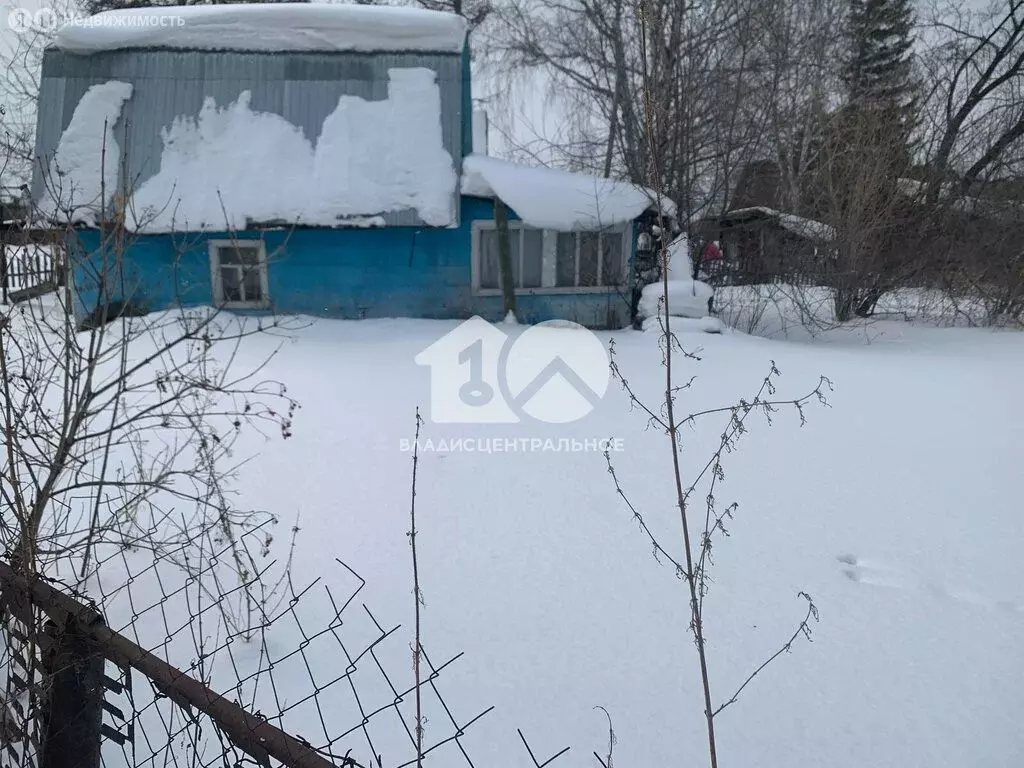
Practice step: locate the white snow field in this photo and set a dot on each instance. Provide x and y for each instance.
(898, 509)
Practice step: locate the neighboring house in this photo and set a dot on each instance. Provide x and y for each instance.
(308, 158)
(760, 244)
(759, 240)
(959, 232)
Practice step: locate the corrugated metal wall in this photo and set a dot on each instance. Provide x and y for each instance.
(304, 88)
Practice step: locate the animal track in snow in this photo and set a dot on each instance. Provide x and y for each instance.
(877, 574)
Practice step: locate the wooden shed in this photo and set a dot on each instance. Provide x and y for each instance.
(761, 244)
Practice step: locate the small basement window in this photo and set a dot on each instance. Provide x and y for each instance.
(239, 273)
(545, 261)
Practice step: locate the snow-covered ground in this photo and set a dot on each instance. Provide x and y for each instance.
(897, 509)
(784, 311)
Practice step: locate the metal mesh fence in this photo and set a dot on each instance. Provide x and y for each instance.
(311, 677)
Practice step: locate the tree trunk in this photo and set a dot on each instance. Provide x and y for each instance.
(868, 302)
(508, 285)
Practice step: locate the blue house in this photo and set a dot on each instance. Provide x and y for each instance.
(311, 159)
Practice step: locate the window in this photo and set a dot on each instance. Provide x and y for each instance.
(590, 259)
(548, 261)
(239, 273)
(526, 252)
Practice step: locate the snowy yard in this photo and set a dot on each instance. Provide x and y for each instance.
(897, 509)
(539, 568)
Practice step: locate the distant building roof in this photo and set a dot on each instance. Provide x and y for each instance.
(548, 198)
(952, 197)
(798, 225)
(266, 27)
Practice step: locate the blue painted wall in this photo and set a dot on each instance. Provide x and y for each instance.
(344, 273)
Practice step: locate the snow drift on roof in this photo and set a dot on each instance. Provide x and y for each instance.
(82, 175)
(551, 199)
(231, 166)
(798, 225)
(267, 27)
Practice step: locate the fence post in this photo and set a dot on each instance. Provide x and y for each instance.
(74, 708)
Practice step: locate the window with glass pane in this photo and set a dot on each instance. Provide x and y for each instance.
(241, 274)
(252, 282)
(514, 249)
(590, 252)
(611, 259)
(533, 257)
(231, 283)
(526, 254)
(582, 259)
(490, 264)
(565, 260)
(489, 259)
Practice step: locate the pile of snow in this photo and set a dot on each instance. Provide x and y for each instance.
(680, 265)
(686, 298)
(684, 324)
(372, 157)
(547, 198)
(81, 178)
(267, 27)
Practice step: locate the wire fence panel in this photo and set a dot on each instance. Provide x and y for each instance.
(311, 683)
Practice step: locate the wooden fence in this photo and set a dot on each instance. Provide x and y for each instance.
(31, 262)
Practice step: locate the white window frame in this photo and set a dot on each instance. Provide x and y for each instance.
(218, 283)
(548, 260)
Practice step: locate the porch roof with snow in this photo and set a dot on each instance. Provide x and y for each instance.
(266, 27)
(547, 198)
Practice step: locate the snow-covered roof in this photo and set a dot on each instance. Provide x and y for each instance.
(552, 199)
(267, 27)
(798, 225)
(950, 195)
(230, 165)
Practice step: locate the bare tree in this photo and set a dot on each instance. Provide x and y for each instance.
(701, 525)
(120, 426)
(21, 59)
(698, 57)
(975, 109)
(803, 44)
(858, 189)
(970, 197)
